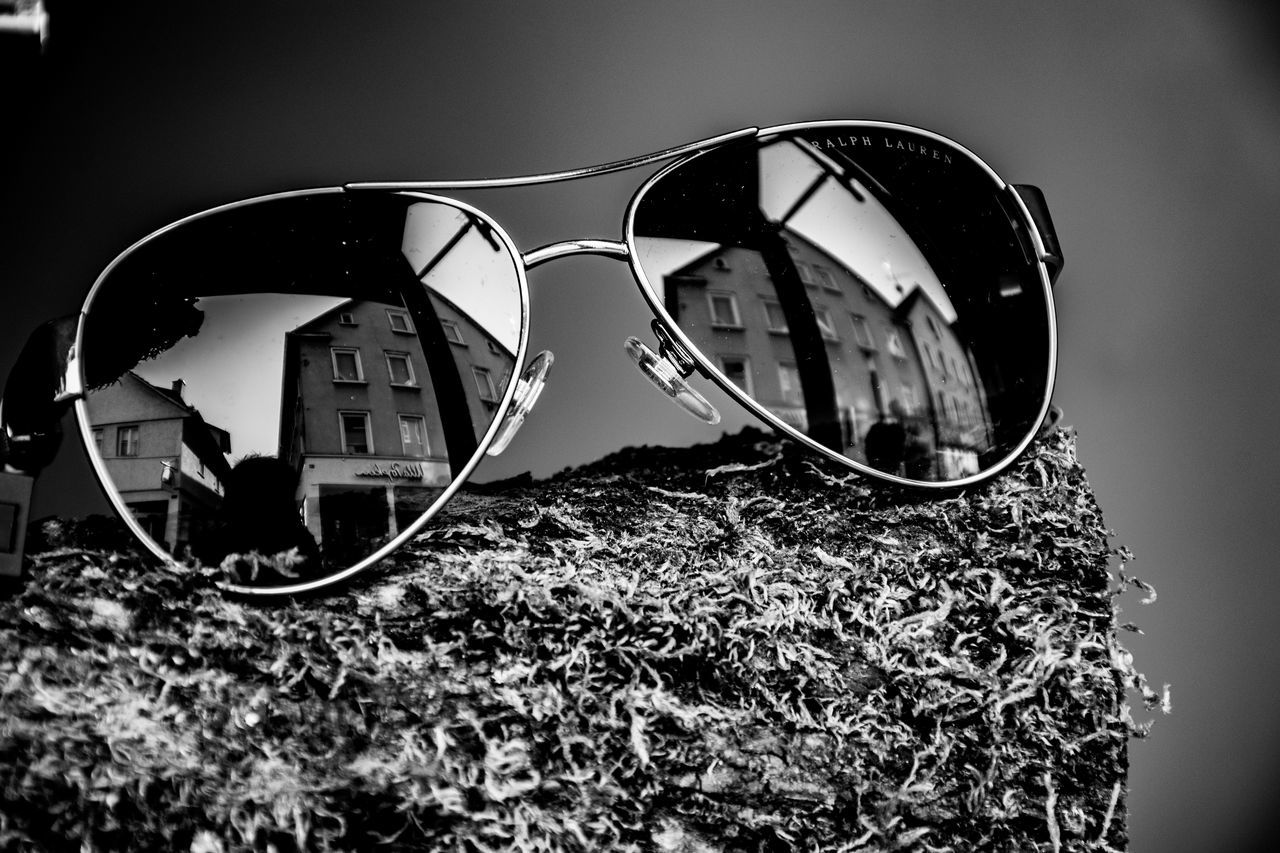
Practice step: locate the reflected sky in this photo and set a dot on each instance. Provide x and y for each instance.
(476, 274)
(861, 234)
(231, 371)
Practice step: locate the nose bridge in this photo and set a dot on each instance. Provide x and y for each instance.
(564, 248)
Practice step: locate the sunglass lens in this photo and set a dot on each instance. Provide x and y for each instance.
(867, 286)
(283, 387)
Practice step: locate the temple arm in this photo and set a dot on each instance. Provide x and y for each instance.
(42, 385)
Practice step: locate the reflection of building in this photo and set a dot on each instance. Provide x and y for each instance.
(955, 399)
(903, 363)
(167, 463)
(364, 423)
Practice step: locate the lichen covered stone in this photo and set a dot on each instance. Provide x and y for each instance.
(731, 647)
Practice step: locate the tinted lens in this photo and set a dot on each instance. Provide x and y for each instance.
(865, 285)
(283, 387)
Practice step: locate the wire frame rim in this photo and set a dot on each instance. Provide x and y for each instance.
(709, 370)
(117, 501)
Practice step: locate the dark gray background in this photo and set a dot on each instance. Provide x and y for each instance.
(1153, 129)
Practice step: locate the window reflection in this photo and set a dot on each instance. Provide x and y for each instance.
(354, 373)
(921, 380)
(825, 278)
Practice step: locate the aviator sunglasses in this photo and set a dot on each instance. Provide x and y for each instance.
(288, 387)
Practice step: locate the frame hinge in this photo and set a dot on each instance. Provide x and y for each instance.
(1034, 199)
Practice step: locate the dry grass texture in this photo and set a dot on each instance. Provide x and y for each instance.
(724, 648)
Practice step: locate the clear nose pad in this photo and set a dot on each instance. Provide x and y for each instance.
(668, 380)
(528, 389)
(1051, 421)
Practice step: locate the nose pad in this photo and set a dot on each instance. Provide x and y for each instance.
(528, 389)
(668, 380)
(1051, 421)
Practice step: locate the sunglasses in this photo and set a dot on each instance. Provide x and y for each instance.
(872, 291)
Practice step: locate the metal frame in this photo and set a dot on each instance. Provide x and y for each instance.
(709, 369)
(122, 509)
(567, 175)
(72, 380)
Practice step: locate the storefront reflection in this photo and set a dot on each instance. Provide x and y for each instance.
(292, 425)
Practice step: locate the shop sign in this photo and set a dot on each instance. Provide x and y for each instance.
(394, 471)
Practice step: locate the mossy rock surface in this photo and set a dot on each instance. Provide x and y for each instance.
(730, 647)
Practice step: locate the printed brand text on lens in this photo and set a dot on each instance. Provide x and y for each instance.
(895, 144)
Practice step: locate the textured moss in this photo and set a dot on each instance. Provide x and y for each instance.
(723, 648)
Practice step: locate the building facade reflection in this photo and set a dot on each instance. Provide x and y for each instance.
(168, 464)
(899, 373)
(366, 421)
